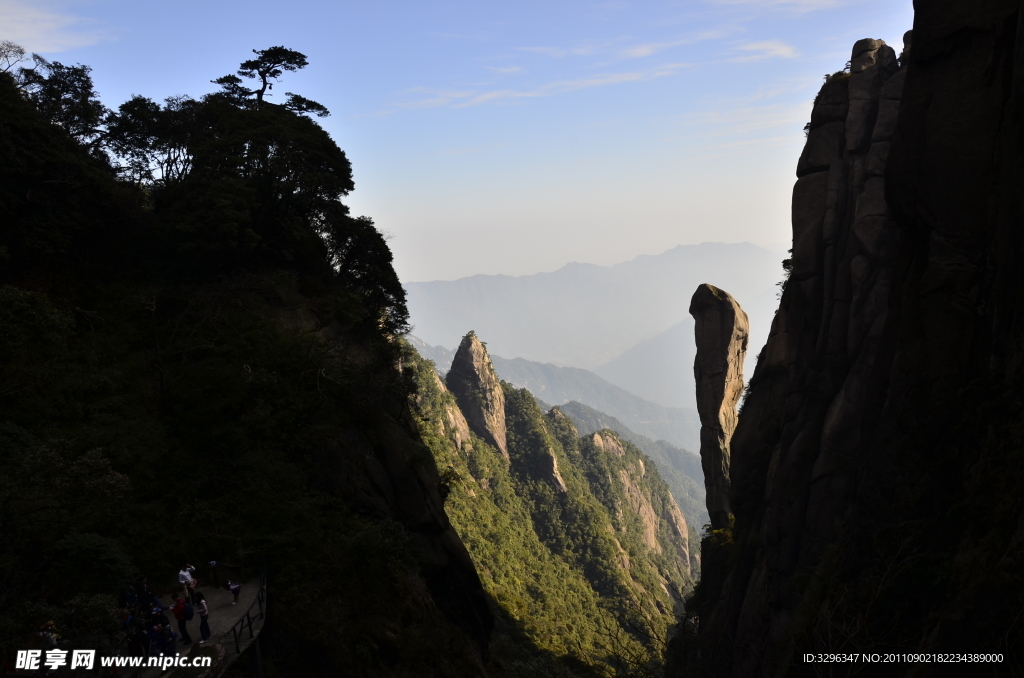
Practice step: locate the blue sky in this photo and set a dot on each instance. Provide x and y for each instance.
(513, 137)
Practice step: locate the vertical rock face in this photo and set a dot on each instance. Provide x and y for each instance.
(793, 452)
(548, 468)
(721, 332)
(478, 391)
(610, 445)
(878, 504)
(454, 422)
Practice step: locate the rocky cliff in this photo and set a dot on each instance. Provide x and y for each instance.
(477, 389)
(877, 466)
(721, 332)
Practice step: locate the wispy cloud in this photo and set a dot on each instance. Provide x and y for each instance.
(476, 37)
(792, 5)
(650, 48)
(727, 131)
(565, 86)
(462, 99)
(436, 98)
(560, 52)
(40, 30)
(647, 49)
(746, 119)
(506, 70)
(767, 49)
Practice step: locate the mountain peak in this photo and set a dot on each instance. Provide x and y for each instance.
(477, 390)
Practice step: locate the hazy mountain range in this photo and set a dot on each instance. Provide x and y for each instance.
(627, 323)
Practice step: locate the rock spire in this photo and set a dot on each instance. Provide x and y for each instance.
(721, 333)
(476, 388)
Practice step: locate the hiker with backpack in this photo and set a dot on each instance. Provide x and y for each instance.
(183, 613)
(204, 617)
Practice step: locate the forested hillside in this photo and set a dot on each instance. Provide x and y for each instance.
(197, 362)
(576, 538)
(680, 469)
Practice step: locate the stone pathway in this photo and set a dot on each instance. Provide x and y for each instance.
(221, 645)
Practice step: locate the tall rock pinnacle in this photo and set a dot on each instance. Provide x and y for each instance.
(477, 390)
(721, 333)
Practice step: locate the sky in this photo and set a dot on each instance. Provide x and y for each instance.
(513, 137)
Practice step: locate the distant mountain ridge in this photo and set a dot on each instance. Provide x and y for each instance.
(628, 323)
(657, 369)
(585, 315)
(557, 385)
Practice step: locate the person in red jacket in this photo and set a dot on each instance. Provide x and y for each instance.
(180, 613)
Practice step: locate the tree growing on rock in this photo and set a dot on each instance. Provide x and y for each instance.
(269, 65)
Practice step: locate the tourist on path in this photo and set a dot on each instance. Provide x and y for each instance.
(179, 610)
(188, 581)
(159, 617)
(235, 588)
(204, 620)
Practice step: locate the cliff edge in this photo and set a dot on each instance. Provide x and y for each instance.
(877, 474)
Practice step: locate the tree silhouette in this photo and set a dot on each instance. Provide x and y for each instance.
(65, 95)
(269, 65)
(11, 55)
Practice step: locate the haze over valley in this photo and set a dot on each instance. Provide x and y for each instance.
(627, 323)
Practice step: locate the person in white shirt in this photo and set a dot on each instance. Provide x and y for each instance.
(189, 582)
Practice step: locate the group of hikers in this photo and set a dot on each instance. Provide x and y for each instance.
(147, 620)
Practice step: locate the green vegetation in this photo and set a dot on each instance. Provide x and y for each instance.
(591, 576)
(787, 269)
(197, 363)
(679, 468)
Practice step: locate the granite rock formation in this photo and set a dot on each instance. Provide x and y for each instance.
(610, 445)
(477, 389)
(547, 468)
(721, 332)
(454, 423)
(877, 469)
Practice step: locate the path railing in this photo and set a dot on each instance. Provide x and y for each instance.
(257, 611)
